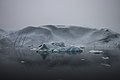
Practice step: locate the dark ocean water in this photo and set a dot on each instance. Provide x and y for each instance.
(24, 64)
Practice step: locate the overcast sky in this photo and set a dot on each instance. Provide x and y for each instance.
(16, 14)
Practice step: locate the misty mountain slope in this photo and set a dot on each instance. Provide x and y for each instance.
(111, 40)
(109, 35)
(79, 35)
(37, 30)
(31, 36)
(87, 36)
(70, 31)
(72, 35)
(3, 33)
(50, 27)
(102, 33)
(4, 41)
(105, 38)
(60, 32)
(80, 31)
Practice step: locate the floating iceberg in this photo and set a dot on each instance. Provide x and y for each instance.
(58, 47)
(96, 51)
(60, 44)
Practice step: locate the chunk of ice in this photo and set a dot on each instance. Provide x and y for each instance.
(107, 65)
(82, 59)
(22, 62)
(105, 57)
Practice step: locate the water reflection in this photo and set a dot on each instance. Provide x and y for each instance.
(46, 63)
(45, 54)
(25, 56)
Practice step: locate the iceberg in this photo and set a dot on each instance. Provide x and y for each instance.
(96, 51)
(58, 47)
(60, 44)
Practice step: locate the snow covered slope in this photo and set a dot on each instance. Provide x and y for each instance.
(31, 36)
(2, 33)
(4, 40)
(70, 35)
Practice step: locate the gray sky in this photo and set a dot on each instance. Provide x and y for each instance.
(16, 14)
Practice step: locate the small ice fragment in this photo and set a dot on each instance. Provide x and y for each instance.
(33, 49)
(105, 57)
(96, 51)
(104, 64)
(82, 59)
(22, 62)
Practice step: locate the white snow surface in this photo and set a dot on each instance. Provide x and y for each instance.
(70, 35)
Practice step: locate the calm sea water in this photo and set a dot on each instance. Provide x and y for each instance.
(22, 64)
